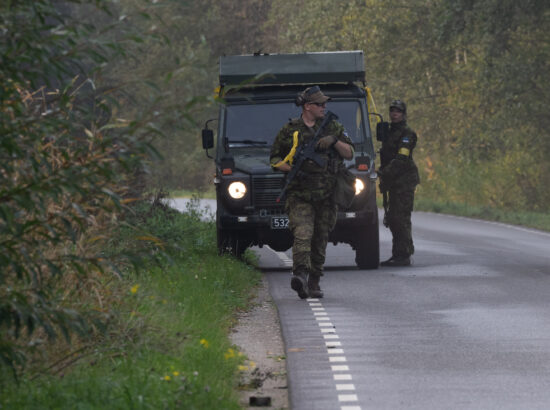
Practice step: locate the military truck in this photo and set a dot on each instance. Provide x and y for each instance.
(258, 93)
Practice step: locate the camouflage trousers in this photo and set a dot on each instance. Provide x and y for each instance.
(399, 221)
(310, 224)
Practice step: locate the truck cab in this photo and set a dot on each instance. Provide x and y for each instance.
(258, 94)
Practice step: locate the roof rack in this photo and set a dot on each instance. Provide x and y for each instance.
(305, 68)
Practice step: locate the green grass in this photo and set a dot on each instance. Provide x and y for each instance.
(167, 346)
(529, 219)
(537, 220)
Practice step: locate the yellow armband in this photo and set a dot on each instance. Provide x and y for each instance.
(404, 151)
(290, 157)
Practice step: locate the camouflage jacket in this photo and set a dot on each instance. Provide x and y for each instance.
(313, 183)
(397, 169)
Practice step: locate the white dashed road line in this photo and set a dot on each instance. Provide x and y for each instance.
(335, 354)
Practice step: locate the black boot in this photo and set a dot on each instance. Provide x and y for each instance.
(299, 284)
(313, 286)
(397, 261)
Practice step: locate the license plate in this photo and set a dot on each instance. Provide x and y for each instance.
(279, 222)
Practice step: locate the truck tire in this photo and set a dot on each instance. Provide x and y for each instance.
(231, 243)
(367, 247)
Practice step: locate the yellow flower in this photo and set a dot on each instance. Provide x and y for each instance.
(167, 378)
(176, 374)
(252, 365)
(229, 354)
(205, 343)
(243, 368)
(134, 289)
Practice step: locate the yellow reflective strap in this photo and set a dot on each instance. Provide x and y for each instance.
(404, 151)
(290, 157)
(371, 106)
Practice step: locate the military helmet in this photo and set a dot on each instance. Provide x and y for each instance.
(400, 105)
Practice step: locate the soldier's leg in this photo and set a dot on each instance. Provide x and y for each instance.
(325, 219)
(401, 205)
(300, 215)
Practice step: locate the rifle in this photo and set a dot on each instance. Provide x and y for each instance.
(305, 152)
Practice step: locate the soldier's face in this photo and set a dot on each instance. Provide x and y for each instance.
(317, 109)
(396, 115)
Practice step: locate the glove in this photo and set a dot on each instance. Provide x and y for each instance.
(326, 142)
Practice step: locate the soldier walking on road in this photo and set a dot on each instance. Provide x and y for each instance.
(398, 180)
(309, 204)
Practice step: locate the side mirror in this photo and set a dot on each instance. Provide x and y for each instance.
(207, 139)
(382, 130)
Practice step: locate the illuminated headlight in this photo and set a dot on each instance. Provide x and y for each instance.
(237, 190)
(359, 186)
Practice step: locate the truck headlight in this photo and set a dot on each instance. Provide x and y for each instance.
(236, 190)
(359, 186)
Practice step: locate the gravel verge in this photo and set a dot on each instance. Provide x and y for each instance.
(258, 336)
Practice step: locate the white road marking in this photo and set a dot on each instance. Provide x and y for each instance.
(342, 387)
(285, 260)
(335, 354)
(347, 397)
(340, 377)
(329, 330)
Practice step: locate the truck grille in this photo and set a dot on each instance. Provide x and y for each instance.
(265, 191)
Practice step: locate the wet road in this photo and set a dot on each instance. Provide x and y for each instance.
(466, 327)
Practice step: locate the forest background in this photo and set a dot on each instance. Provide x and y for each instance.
(93, 91)
(474, 74)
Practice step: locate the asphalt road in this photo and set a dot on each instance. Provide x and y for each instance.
(466, 327)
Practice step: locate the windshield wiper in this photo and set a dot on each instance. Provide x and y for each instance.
(249, 142)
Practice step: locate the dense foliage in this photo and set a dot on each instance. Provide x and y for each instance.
(87, 85)
(474, 73)
(74, 149)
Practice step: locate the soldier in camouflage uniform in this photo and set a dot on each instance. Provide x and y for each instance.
(398, 180)
(309, 205)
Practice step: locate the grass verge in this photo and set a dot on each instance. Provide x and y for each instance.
(536, 220)
(167, 344)
(529, 219)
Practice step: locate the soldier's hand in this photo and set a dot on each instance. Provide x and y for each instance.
(326, 142)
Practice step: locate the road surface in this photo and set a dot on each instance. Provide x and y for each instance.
(466, 327)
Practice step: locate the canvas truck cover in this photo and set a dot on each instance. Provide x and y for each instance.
(323, 67)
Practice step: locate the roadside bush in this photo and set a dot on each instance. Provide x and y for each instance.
(66, 170)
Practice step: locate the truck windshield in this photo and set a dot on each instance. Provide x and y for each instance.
(258, 124)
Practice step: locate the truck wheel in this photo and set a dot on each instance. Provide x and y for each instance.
(367, 248)
(230, 242)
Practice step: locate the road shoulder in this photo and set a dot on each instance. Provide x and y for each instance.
(258, 336)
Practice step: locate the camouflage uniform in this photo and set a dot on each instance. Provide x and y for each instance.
(399, 176)
(309, 205)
